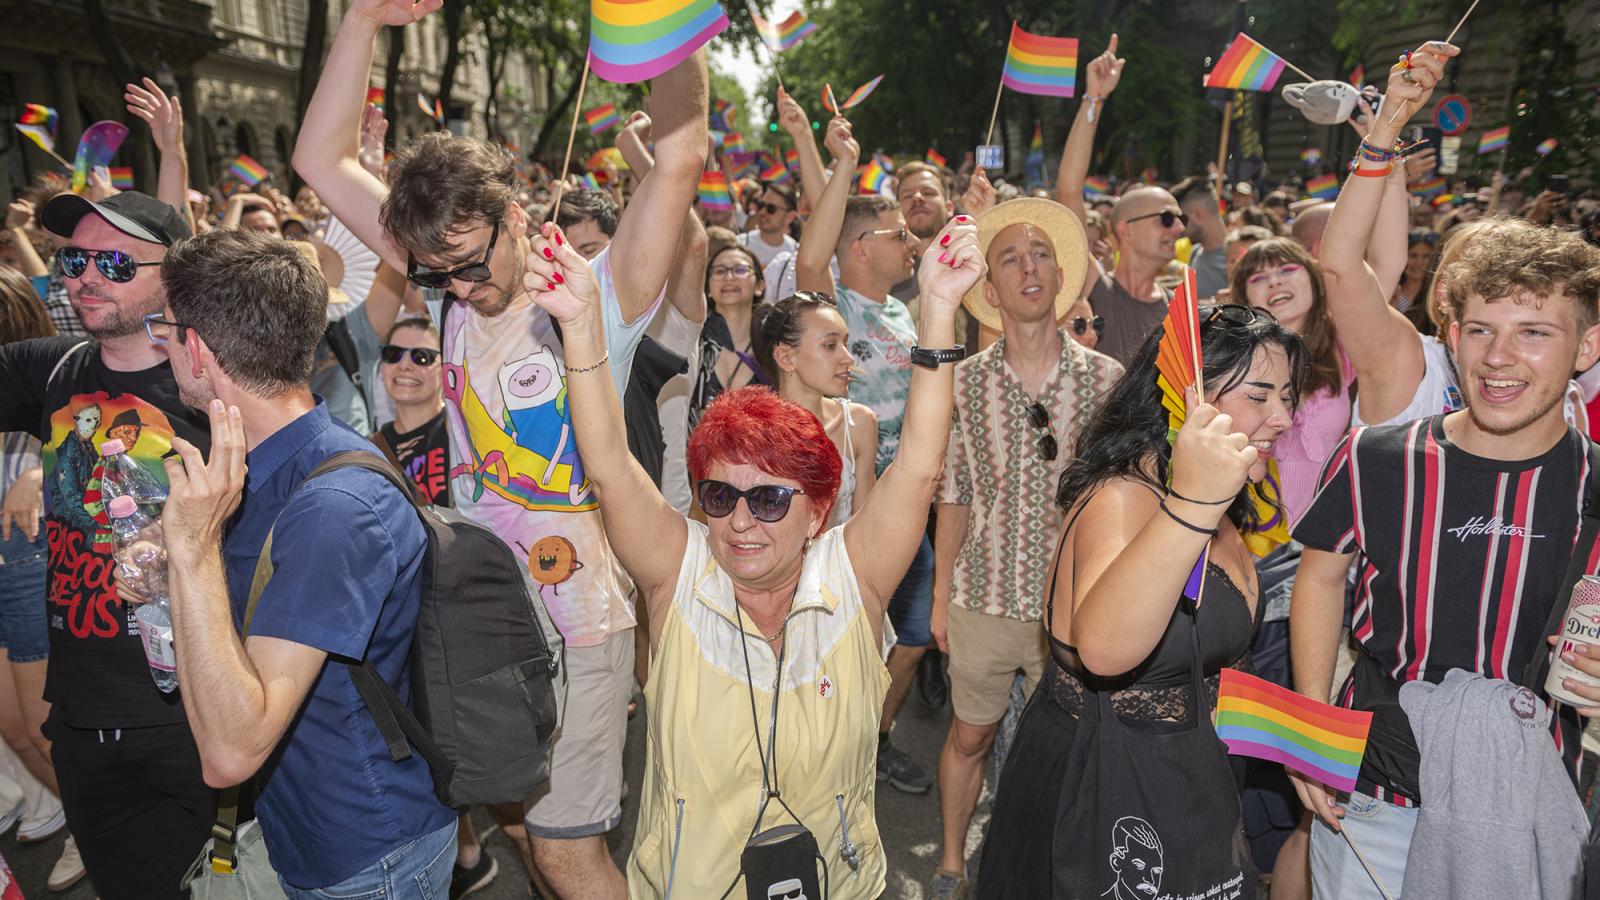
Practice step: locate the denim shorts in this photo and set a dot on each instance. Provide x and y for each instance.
(23, 566)
(911, 607)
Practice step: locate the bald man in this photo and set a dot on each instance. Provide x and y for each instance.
(1309, 225)
(1147, 222)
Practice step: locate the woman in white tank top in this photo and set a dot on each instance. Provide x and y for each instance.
(804, 343)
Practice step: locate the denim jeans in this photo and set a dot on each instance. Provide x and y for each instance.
(22, 589)
(1381, 830)
(419, 870)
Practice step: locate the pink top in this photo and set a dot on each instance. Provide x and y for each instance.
(1320, 423)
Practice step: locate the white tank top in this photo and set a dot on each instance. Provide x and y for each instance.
(1437, 392)
(847, 476)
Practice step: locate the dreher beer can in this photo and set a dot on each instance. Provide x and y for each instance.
(1580, 626)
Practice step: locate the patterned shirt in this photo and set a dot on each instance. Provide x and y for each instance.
(994, 468)
(881, 337)
(59, 306)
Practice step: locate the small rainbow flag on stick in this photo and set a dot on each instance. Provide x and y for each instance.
(1494, 139)
(375, 97)
(874, 177)
(791, 158)
(601, 117)
(1547, 146)
(714, 190)
(935, 158)
(1040, 64)
(40, 136)
(1311, 156)
(39, 114)
(636, 40)
(775, 173)
(1036, 145)
(1260, 719)
(852, 101)
(721, 116)
(1429, 187)
(1094, 186)
(122, 177)
(247, 170)
(1323, 187)
(434, 112)
(733, 142)
(781, 37)
(1246, 66)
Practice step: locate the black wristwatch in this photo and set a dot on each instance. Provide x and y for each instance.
(933, 359)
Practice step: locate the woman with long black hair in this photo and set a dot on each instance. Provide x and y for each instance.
(1123, 714)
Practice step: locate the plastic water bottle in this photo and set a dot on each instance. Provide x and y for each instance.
(142, 563)
(122, 476)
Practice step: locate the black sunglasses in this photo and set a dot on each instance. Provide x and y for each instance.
(422, 356)
(475, 271)
(113, 264)
(770, 208)
(1039, 417)
(1081, 324)
(1167, 218)
(1236, 314)
(767, 502)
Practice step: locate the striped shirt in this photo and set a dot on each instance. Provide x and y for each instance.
(1459, 558)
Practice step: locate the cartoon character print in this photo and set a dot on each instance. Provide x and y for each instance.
(552, 561)
(535, 396)
(1136, 860)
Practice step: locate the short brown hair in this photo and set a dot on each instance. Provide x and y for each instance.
(947, 182)
(257, 302)
(1517, 259)
(440, 185)
(861, 213)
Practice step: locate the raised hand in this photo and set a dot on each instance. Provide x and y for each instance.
(100, 187)
(841, 142)
(19, 213)
(394, 12)
(791, 118)
(1210, 461)
(201, 493)
(560, 280)
(639, 123)
(1412, 80)
(944, 279)
(373, 128)
(165, 114)
(979, 196)
(1421, 163)
(1104, 71)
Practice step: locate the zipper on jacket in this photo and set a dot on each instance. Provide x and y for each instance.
(677, 841)
(847, 849)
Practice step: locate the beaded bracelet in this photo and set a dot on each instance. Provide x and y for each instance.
(1368, 153)
(571, 370)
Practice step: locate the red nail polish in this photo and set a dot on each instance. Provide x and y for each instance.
(556, 276)
(559, 241)
(548, 254)
(549, 285)
(944, 241)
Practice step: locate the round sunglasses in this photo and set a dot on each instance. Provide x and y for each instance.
(113, 264)
(767, 502)
(422, 356)
(1082, 324)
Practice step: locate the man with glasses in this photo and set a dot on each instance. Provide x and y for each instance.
(1019, 405)
(775, 215)
(129, 770)
(448, 217)
(874, 248)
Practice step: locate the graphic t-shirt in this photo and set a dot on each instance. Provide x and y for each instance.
(97, 676)
(424, 454)
(1459, 559)
(881, 338)
(514, 462)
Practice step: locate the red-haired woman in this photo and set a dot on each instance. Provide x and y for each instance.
(766, 630)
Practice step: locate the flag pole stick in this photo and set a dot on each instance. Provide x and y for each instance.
(771, 54)
(1365, 865)
(1299, 71)
(993, 116)
(1222, 151)
(1447, 40)
(577, 110)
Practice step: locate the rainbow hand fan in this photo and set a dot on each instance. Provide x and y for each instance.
(1178, 366)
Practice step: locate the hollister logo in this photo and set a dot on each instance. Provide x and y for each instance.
(1495, 527)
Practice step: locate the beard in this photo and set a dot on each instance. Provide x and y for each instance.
(496, 302)
(118, 319)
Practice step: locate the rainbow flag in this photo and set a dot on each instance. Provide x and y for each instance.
(1494, 139)
(1546, 146)
(1443, 199)
(1094, 186)
(375, 97)
(434, 112)
(41, 115)
(1036, 146)
(934, 158)
(122, 177)
(1311, 156)
(1358, 75)
(601, 117)
(1246, 66)
(1040, 64)
(95, 148)
(791, 158)
(873, 177)
(39, 135)
(733, 142)
(852, 101)
(590, 182)
(247, 170)
(1429, 187)
(714, 190)
(636, 40)
(1323, 187)
(1260, 719)
(722, 115)
(774, 173)
(785, 35)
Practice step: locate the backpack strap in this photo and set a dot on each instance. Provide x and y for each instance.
(56, 370)
(1538, 667)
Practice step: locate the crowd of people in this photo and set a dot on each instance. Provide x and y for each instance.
(769, 469)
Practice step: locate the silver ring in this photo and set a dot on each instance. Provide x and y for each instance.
(1405, 75)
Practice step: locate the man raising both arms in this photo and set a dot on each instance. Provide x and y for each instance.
(449, 219)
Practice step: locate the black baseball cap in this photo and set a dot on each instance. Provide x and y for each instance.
(135, 214)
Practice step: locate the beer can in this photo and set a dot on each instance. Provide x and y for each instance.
(1581, 625)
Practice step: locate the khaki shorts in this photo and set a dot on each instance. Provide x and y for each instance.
(986, 652)
(584, 794)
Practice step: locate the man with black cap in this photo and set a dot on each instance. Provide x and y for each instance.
(129, 770)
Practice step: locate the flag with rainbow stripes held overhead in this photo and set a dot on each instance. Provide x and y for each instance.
(601, 117)
(248, 170)
(121, 177)
(1259, 719)
(1041, 64)
(1494, 139)
(1323, 187)
(1547, 146)
(1095, 187)
(934, 158)
(1246, 66)
(786, 34)
(714, 192)
(1429, 187)
(636, 40)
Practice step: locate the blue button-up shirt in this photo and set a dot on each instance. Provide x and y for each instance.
(347, 555)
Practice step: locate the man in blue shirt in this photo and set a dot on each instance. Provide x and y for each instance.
(243, 317)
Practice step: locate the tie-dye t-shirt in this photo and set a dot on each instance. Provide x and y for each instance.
(881, 338)
(515, 465)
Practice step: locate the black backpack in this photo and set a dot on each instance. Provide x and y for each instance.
(486, 677)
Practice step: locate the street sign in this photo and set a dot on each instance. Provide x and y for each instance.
(1453, 115)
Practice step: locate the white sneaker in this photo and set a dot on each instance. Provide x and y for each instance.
(41, 828)
(68, 870)
(11, 818)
